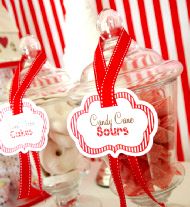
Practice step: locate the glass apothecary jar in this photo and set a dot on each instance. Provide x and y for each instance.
(153, 80)
(61, 163)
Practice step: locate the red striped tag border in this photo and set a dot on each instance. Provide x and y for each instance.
(115, 150)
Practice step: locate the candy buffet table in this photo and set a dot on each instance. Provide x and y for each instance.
(180, 195)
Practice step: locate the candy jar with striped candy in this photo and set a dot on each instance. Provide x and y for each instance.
(153, 80)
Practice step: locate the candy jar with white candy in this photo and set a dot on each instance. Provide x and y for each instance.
(49, 90)
(153, 80)
(61, 163)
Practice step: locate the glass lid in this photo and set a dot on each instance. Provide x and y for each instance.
(141, 68)
(50, 82)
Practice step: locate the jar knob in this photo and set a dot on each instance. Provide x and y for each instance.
(29, 46)
(109, 23)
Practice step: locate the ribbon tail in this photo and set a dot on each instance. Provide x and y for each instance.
(115, 171)
(25, 176)
(138, 175)
(37, 164)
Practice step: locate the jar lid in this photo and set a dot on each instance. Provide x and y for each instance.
(141, 68)
(50, 83)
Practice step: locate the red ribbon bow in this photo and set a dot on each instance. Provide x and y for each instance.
(105, 80)
(16, 94)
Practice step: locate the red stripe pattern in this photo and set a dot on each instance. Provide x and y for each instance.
(144, 23)
(24, 17)
(16, 16)
(188, 8)
(57, 24)
(129, 18)
(95, 151)
(39, 19)
(160, 26)
(99, 6)
(112, 4)
(181, 56)
(4, 4)
(35, 21)
(49, 32)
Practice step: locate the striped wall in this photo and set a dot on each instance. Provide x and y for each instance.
(163, 25)
(43, 19)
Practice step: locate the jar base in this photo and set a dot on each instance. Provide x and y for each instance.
(87, 200)
(175, 205)
(170, 205)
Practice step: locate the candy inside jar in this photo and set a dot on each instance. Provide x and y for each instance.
(158, 166)
(153, 80)
(60, 148)
(4, 190)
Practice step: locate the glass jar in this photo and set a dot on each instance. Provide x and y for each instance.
(49, 91)
(61, 163)
(153, 80)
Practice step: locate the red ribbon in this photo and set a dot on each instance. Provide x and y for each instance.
(16, 94)
(105, 80)
(11, 64)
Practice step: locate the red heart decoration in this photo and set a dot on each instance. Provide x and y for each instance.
(4, 41)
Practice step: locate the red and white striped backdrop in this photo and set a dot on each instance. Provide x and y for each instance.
(44, 19)
(163, 25)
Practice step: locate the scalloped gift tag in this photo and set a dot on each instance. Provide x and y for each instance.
(25, 131)
(127, 128)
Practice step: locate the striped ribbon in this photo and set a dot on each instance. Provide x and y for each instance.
(17, 92)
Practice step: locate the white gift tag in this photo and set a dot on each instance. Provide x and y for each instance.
(127, 128)
(25, 131)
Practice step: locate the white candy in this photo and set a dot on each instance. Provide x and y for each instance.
(60, 154)
(61, 139)
(57, 114)
(56, 160)
(10, 167)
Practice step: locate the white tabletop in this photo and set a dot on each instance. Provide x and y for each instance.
(180, 195)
